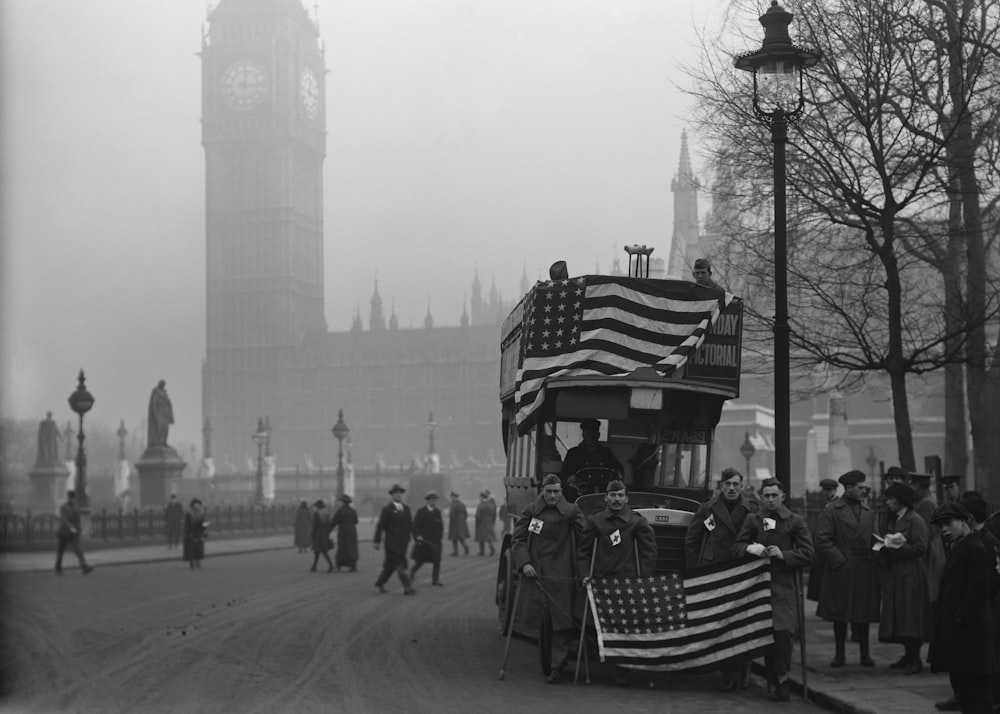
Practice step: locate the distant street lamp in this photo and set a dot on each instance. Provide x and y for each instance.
(121, 434)
(431, 426)
(748, 451)
(340, 432)
(259, 437)
(81, 402)
(778, 99)
(871, 460)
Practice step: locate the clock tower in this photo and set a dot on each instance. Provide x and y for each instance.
(263, 113)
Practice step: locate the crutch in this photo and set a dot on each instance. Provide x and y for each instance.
(580, 649)
(800, 611)
(513, 619)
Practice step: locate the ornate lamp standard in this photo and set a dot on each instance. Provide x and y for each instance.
(259, 437)
(340, 432)
(81, 402)
(431, 426)
(748, 451)
(778, 99)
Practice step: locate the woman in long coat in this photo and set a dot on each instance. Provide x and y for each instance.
(195, 528)
(321, 543)
(486, 522)
(303, 527)
(458, 524)
(345, 520)
(903, 571)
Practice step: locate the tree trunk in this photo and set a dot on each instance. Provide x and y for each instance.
(956, 455)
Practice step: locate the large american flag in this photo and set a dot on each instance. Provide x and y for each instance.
(674, 623)
(609, 325)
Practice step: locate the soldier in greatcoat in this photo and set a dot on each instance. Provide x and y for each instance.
(544, 547)
(394, 524)
(962, 640)
(709, 540)
(903, 578)
(782, 536)
(850, 589)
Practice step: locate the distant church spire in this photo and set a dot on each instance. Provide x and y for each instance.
(428, 320)
(356, 324)
(685, 241)
(477, 300)
(376, 320)
(393, 320)
(464, 320)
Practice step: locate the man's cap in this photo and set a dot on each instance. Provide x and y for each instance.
(589, 424)
(955, 479)
(346, 499)
(895, 472)
(921, 479)
(852, 478)
(615, 485)
(728, 473)
(429, 495)
(901, 492)
(828, 484)
(950, 512)
(453, 494)
(396, 488)
(319, 503)
(551, 479)
(702, 263)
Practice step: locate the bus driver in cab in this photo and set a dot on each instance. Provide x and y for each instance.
(589, 453)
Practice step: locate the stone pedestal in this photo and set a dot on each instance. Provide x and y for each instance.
(158, 468)
(47, 487)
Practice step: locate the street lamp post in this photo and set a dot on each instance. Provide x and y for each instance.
(259, 437)
(748, 450)
(81, 402)
(340, 432)
(778, 99)
(431, 426)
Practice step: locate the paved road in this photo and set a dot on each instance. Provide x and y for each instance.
(257, 632)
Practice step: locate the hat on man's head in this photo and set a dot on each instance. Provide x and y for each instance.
(920, 480)
(551, 479)
(702, 263)
(430, 495)
(346, 499)
(396, 488)
(894, 472)
(616, 485)
(953, 479)
(901, 492)
(589, 424)
(453, 494)
(852, 478)
(319, 503)
(484, 494)
(950, 512)
(828, 484)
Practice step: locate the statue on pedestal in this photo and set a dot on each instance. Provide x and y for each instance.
(48, 443)
(161, 416)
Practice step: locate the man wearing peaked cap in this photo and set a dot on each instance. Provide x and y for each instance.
(394, 524)
(396, 488)
(829, 487)
(428, 532)
(950, 488)
(850, 591)
(962, 635)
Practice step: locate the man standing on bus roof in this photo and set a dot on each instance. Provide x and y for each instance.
(589, 453)
(617, 542)
(544, 547)
(709, 540)
(703, 274)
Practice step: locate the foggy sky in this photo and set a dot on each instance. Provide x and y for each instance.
(493, 134)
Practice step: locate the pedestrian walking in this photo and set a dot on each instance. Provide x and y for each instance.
(394, 524)
(68, 535)
(776, 533)
(850, 590)
(345, 520)
(458, 524)
(319, 535)
(962, 639)
(173, 517)
(303, 527)
(195, 532)
(428, 532)
(903, 577)
(486, 522)
(616, 542)
(709, 540)
(543, 548)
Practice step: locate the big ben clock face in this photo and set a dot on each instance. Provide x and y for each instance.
(244, 85)
(309, 92)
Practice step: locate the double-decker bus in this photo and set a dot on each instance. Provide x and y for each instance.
(653, 361)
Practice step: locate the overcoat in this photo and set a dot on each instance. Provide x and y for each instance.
(934, 557)
(486, 521)
(713, 530)
(903, 578)
(620, 538)
(320, 533)
(394, 526)
(194, 536)
(303, 527)
(962, 638)
(345, 520)
(458, 521)
(791, 534)
(428, 530)
(849, 591)
(546, 537)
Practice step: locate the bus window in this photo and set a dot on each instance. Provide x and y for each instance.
(683, 465)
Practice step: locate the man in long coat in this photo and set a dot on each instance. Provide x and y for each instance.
(783, 537)
(428, 531)
(394, 523)
(710, 539)
(458, 524)
(850, 589)
(486, 522)
(68, 534)
(345, 520)
(544, 547)
(962, 638)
